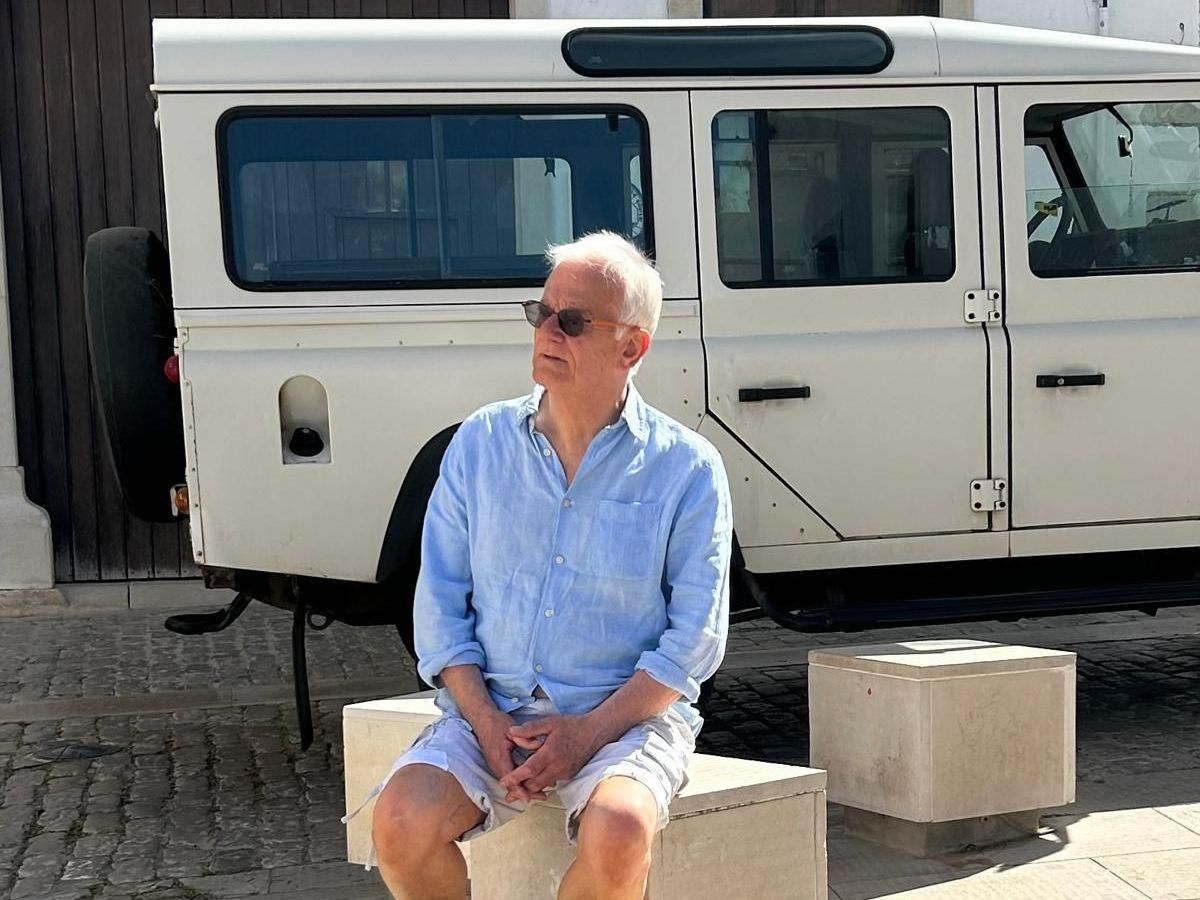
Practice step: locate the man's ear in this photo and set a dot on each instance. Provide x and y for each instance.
(636, 346)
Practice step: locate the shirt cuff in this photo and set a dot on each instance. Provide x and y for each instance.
(430, 668)
(670, 675)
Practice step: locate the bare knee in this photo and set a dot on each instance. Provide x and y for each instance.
(421, 808)
(616, 832)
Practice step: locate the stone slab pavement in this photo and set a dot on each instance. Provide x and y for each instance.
(207, 794)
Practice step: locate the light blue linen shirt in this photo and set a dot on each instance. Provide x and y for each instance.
(573, 589)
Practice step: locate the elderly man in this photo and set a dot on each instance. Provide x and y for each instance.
(573, 596)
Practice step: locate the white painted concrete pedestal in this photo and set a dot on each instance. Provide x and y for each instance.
(26, 556)
(739, 829)
(933, 746)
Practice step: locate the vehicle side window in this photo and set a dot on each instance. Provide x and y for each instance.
(411, 198)
(833, 196)
(1131, 197)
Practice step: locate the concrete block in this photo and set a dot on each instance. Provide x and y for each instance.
(944, 731)
(739, 828)
(958, 9)
(97, 596)
(589, 9)
(374, 733)
(39, 602)
(685, 9)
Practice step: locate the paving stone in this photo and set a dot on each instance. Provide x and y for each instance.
(31, 888)
(243, 884)
(1169, 875)
(1072, 880)
(229, 787)
(244, 859)
(86, 869)
(131, 871)
(358, 892)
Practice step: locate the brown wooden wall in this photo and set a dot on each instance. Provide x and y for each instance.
(78, 152)
(753, 8)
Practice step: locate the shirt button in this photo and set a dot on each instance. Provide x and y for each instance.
(537, 668)
(549, 614)
(568, 503)
(514, 699)
(545, 451)
(559, 560)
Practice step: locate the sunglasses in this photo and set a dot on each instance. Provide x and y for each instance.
(573, 322)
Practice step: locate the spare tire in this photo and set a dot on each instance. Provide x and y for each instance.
(131, 334)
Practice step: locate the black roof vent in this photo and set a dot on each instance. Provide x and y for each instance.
(728, 50)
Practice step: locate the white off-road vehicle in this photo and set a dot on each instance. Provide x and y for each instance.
(931, 291)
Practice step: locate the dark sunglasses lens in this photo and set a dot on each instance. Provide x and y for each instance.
(572, 322)
(535, 313)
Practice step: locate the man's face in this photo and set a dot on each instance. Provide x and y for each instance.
(595, 358)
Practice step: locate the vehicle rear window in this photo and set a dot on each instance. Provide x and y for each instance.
(386, 198)
(833, 196)
(1126, 197)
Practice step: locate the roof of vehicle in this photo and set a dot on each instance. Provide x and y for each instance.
(408, 54)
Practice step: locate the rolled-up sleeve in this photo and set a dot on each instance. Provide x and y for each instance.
(697, 578)
(444, 621)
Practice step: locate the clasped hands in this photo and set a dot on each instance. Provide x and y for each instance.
(561, 746)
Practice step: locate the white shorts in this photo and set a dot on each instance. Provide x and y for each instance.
(654, 753)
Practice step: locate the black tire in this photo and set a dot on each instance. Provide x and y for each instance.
(131, 333)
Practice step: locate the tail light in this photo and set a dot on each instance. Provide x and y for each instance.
(171, 368)
(180, 502)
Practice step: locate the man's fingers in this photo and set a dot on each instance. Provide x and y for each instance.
(526, 743)
(531, 768)
(533, 728)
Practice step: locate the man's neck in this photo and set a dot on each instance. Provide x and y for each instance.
(570, 423)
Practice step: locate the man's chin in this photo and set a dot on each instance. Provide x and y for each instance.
(547, 373)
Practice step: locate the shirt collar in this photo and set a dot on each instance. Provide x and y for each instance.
(633, 414)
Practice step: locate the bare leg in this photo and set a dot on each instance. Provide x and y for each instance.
(417, 819)
(616, 831)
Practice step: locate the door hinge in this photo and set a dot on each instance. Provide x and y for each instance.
(981, 306)
(989, 494)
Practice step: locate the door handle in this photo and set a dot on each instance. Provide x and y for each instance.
(1058, 381)
(755, 395)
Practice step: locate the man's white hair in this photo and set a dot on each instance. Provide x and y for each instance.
(624, 266)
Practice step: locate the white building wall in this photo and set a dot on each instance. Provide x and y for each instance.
(1173, 21)
(1169, 21)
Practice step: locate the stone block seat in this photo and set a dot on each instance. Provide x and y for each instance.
(739, 829)
(933, 746)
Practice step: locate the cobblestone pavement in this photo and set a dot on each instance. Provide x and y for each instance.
(220, 802)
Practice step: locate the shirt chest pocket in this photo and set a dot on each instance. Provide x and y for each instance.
(624, 540)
